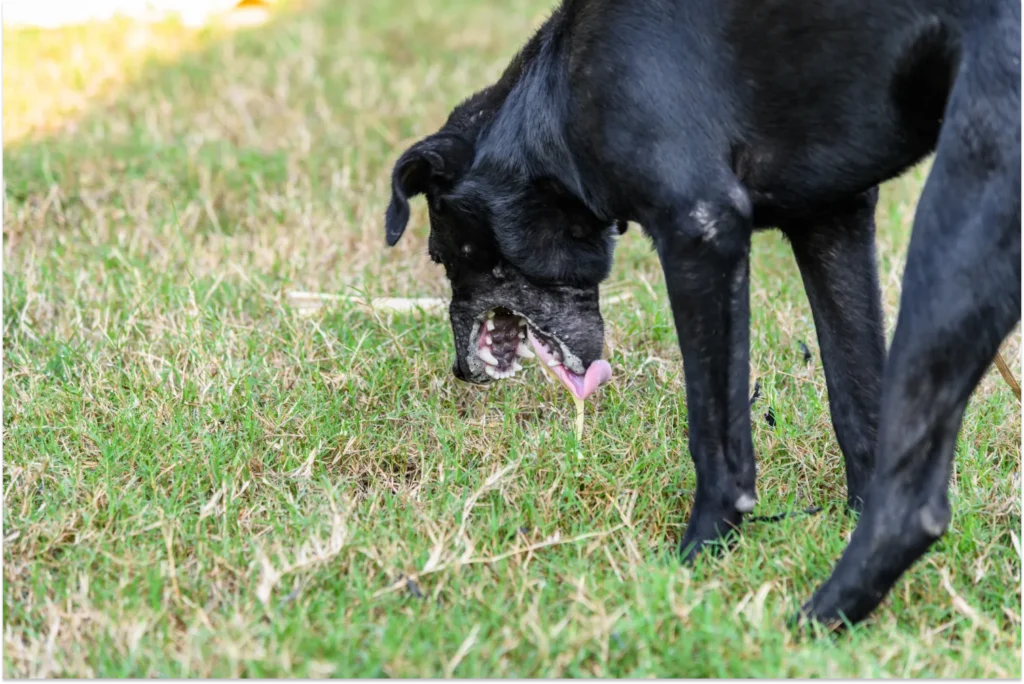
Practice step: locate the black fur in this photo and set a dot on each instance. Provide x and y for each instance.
(703, 120)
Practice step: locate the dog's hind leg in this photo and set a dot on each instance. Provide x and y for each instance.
(961, 297)
(836, 254)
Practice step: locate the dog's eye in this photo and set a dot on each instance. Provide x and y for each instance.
(467, 249)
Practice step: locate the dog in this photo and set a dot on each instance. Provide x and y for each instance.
(702, 121)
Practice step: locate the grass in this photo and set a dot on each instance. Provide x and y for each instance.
(201, 481)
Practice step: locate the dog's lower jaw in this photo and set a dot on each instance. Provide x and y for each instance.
(501, 337)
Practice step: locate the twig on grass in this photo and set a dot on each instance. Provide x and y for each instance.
(1004, 370)
(813, 510)
(308, 302)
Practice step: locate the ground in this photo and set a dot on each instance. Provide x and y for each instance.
(201, 479)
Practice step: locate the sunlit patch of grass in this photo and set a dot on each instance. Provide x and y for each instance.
(200, 481)
(56, 75)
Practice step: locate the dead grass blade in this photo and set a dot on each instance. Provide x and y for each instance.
(1004, 370)
(313, 553)
(965, 609)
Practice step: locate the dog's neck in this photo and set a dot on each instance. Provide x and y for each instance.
(524, 114)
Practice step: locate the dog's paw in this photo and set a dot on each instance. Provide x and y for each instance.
(713, 530)
(820, 616)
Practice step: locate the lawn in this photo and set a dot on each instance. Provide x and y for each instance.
(202, 479)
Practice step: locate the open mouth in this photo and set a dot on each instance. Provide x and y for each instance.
(502, 337)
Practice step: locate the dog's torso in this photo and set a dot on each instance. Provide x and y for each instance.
(808, 102)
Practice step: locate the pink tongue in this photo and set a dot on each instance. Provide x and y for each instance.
(582, 386)
(599, 373)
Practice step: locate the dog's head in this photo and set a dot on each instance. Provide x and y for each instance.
(524, 258)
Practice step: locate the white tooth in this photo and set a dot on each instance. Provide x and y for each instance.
(525, 351)
(488, 339)
(490, 324)
(487, 355)
(490, 314)
(493, 373)
(522, 334)
(522, 322)
(554, 362)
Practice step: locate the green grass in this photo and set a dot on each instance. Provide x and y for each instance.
(200, 480)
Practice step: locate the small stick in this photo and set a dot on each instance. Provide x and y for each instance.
(580, 404)
(813, 510)
(1007, 375)
(579, 418)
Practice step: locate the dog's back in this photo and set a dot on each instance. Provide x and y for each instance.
(816, 100)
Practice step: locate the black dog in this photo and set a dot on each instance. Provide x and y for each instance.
(702, 120)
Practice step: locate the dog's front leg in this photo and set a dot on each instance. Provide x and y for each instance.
(704, 249)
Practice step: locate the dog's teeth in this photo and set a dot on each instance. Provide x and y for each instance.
(522, 322)
(554, 362)
(487, 355)
(525, 351)
(522, 334)
(490, 314)
(493, 373)
(489, 340)
(490, 324)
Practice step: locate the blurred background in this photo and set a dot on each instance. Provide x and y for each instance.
(193, 13)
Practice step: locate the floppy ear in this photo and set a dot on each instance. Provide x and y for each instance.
(435, 162)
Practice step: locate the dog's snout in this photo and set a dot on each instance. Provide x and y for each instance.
(458, 372)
